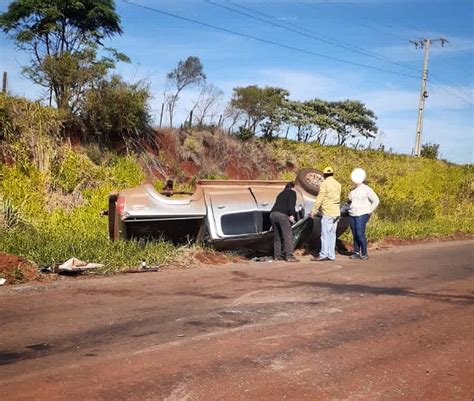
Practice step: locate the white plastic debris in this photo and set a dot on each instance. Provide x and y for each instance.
(76, 265)
(3, 281)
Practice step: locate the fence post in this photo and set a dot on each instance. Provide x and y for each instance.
(161, 114)
(5, 82)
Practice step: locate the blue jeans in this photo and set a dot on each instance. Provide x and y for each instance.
(328, 237)
(358, 224)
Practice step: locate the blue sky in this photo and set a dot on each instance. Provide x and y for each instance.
(157, 42)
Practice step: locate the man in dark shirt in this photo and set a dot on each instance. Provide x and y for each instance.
(281, 216)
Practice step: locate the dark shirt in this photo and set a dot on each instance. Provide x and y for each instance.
(285, 202)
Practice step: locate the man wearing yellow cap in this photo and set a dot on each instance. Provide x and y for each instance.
(328, 201)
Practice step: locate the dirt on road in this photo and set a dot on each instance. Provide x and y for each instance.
(396, 327)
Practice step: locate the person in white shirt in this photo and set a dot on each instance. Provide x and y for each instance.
(363, 203)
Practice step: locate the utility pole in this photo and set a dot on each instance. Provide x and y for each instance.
(425, 45)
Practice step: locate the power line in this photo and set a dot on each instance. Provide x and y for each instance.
(266, 41)
(303, 31)
(443, 84)
(330, 41)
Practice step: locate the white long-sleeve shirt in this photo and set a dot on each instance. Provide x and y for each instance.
(363, 200)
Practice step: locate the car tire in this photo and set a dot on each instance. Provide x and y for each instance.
(310, 179)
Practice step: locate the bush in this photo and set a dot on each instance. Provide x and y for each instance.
(430, 150)
(29, 132)
(116, 112)
(245, 134)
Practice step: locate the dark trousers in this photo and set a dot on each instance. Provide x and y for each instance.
(358, 224)
(282, 235)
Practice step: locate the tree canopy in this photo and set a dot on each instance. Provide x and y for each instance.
(62, 38)
(260, 105)
(187, 73)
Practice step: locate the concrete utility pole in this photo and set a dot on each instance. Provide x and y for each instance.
(423, 44)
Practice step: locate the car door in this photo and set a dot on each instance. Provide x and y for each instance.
(232, 212)
(265, 197)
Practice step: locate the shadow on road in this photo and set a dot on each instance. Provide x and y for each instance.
(340, 288)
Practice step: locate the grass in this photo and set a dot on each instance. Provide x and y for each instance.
(419, 197)
(50, 200)
(49, 235)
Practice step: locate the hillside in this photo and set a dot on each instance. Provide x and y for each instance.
(53, 189)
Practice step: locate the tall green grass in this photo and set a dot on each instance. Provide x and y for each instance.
(419, 197)
(52, 232)
(51, 195)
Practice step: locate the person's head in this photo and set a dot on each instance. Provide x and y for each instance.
(328, 172)
(358, 176)
(290, 185)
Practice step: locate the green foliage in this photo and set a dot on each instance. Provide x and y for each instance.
(116, 112)
(353, 119)
(62, 38)
(312, 119)
(260, 105)
(419, 197)
(49, 236)
(30, 132)
(188, 72)
(245, 134)
(430, 150)
(71, 73)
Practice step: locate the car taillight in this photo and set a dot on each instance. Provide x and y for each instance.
(120, 205)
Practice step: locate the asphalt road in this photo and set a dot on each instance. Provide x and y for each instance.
(399, 326)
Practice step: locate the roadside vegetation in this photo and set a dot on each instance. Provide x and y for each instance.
(59, 162)
(52, 193)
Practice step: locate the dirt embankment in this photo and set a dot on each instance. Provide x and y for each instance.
(188, 155)
(17, 270)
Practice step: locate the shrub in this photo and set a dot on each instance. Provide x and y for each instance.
(116, 112)
(430, 150)
(30, 132)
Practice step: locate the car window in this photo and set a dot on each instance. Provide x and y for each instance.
(240, 223)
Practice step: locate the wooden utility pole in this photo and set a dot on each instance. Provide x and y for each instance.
(5, 82)
(423, 44)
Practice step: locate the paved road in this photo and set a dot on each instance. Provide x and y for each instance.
(399, 326)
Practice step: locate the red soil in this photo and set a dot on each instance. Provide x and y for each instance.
(17, 270)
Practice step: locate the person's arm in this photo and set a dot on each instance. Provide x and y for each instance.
(319, 199)
(373, 198)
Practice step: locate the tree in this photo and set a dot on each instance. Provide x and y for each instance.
(187, 73)
(116, 111)
(62, 38)
(312, 119)
(261, 105)
(352, 119)
(207, 103)
(430, 150)
(233, 115)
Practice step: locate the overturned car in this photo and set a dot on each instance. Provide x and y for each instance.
(225, 214)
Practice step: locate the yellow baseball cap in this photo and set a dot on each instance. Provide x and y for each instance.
(328, 170)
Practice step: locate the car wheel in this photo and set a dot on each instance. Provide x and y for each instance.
(310, 179)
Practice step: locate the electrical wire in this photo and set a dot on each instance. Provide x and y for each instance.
(437, 81)
(312, 34)
(266, 41)
(339, 44)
